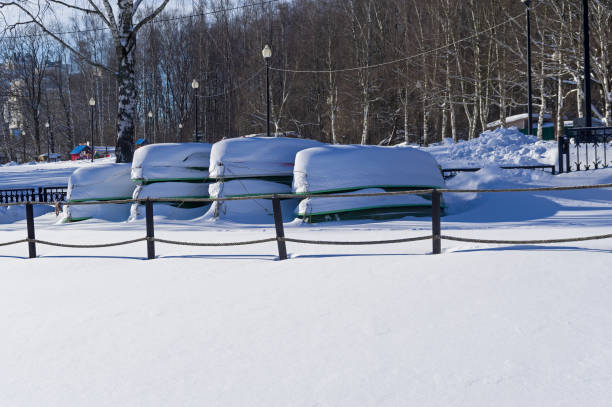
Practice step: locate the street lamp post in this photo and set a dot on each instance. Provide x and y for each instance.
(151, 138)
(48, 142)
(587, 64)
(92, 103)
(527, 4)
(180, 135)
(195, 85)
(267, 54)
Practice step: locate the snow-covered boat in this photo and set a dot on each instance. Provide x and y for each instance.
(354, 169)
(253, 166)
(99, 183)
(171, 171)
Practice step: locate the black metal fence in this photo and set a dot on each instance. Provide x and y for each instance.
(40, 194)
(448, 173)
(585, 148)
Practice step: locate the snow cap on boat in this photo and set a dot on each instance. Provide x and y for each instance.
(335, 168)
(256, 157)
(171, 162)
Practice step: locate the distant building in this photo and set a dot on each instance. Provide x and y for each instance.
(82, 152)
(53, 157)
(141, 142)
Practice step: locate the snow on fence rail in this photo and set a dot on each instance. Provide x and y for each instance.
(436, 236)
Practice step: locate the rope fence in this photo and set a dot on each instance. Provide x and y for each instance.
(436, 236)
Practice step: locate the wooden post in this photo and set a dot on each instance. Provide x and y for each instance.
(436, 228)
(150, 230)
(31, 234)
(280, 231)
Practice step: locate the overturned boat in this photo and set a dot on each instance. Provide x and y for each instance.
(356, 169)
(171, 171)
(251, 167)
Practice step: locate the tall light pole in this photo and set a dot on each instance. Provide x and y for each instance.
(180, 135)
(587, 64)
(195, 85)
(267, 54)
(48, 142)
(92, 103)
(150, 116)
(527, 4)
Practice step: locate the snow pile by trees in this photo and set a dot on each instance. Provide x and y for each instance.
(251, 166)
(171, 171)
(498, 147)
(98, 183)
(364, 169)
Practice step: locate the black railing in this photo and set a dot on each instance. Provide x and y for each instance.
(40, 194)
(451, 172)
(585, 148)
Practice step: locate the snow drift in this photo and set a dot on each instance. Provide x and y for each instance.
(364, 169)
(252, 166)
(502, 146)
(171, 171)
(98, 183)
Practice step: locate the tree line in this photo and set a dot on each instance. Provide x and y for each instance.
(342, 71)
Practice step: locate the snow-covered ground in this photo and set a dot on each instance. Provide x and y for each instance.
(478, 325)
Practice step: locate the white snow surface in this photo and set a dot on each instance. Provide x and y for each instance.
(256, 156)
(479, 325)
(332, 168)
(171, 161)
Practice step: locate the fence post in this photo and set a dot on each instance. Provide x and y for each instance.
(280, 232)
(150, 230)
(436, 229)
(31, 234)
(561, 148)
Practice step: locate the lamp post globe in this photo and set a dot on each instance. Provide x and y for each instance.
(267, 54)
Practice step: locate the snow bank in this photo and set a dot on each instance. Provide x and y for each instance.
(345, 168)
(256, 156)
(171, 162)
(502, 146)
(102, 182)
(364, 169)
(254, 166)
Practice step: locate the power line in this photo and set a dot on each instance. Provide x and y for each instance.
(404, 59)
(155, 20)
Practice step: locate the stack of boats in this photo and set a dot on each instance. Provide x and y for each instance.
(171, 171)
(355, 169)
(254, 166)
(99, 183)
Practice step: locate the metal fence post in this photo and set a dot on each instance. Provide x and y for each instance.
(561, 148)
(31, 234)
(436, 229)
(150, 230)
(280, 231)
